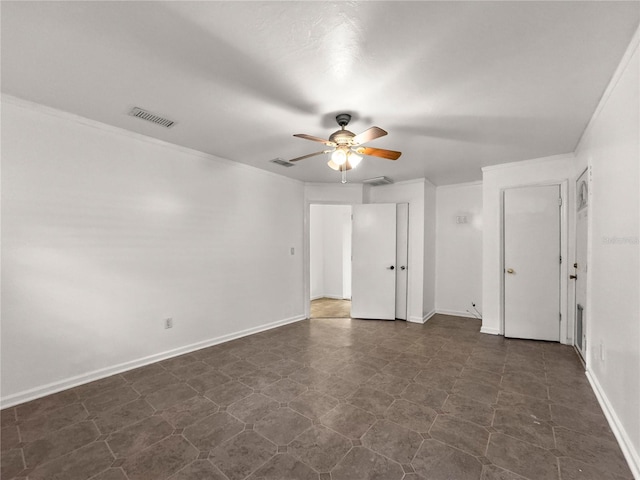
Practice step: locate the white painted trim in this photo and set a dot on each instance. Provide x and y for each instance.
(456, 313)
(626, 445)
(422, 320)
(334, 297)
(403, 182)
(347, 186)
(28, 105)
(490, 331)
(532, 161)
(44, 390)
(456, 185)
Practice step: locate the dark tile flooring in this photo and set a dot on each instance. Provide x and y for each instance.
(327, 399)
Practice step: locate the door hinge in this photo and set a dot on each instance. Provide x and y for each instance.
(560, 201)
(560, 258)
(560, 319)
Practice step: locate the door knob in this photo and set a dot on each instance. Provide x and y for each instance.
(391, 267)
(510, 270)
(403, 267)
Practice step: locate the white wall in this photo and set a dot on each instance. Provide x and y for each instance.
(413, 193)
(330, 251)
(106, 233)
(316, 251)
(333, 193)
(558, 169)
(610, 147)
(429, 268)
(459, 249)
(346, 253)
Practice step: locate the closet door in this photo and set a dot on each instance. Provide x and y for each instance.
(373, 292)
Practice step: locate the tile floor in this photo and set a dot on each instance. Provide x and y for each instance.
(330, 308)
(327, 399)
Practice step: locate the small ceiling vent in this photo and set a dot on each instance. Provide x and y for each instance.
(282, 162)
(374, 182)
(150, 117)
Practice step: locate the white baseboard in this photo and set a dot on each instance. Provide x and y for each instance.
(55, 387)
(630, 454)
(455, 313)
(422, 320)
(490, 331)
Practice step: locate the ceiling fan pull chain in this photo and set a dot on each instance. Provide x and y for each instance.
(344, 175)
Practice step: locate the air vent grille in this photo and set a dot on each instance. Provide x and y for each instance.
(376, 181)
(282, 162)
(151, 117)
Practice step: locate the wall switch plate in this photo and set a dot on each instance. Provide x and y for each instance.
(293, 251)
(168, 323)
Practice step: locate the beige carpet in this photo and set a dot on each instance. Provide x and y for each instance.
(330, 308)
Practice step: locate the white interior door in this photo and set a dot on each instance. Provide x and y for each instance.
(532, 262)
(402, 254)
(373, 283)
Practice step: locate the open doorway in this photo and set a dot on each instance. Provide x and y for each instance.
(330, 261)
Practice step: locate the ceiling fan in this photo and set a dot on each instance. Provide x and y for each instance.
(347, 146)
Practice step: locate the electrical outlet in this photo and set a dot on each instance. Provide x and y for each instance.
(168, 323)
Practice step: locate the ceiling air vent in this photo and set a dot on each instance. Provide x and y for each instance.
(374, 182)
(282, 162)
(150, 117)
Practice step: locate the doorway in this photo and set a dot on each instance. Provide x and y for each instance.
(330, 261)
(532, 258)
(333, 260)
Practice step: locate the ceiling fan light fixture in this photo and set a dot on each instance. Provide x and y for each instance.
(354, 159)
(339, 156)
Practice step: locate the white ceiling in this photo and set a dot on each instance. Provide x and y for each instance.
(458, 85)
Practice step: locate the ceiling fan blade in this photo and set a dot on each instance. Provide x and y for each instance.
(307, 156)
(315, 139)
(368, 135)
(379, 152)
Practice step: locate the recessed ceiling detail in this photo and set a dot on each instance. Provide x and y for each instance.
(377, 181)
(150, 117)
(282, 162)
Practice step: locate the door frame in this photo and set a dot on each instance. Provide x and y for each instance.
(566, 323)
(306, 252)
(306, 257)
(574, 304)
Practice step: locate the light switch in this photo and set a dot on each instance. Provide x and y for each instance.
(293, 251)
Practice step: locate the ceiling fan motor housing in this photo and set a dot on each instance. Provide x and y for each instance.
(342, 137)
(343, 119)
